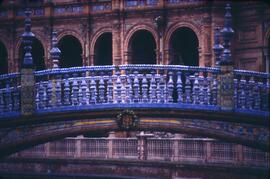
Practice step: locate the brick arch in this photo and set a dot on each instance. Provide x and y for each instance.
(96, 35)
(41, 39)
(73, 33)
(148, 27)
(174, 27)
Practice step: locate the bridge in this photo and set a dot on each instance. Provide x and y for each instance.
(219, 102)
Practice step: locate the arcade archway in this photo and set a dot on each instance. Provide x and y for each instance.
(142, 48)
(37, 54)
(103, 50)
(183, 47)
(3, 59)
(71, 52)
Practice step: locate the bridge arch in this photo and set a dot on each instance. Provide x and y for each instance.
(49, 127)
(141, 37)
(71, 51)
(3, 58)
(182, 43)
(103, 49)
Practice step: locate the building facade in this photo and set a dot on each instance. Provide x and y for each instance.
(104, 32)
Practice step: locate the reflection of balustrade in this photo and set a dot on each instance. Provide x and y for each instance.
(172, 149)
(196, 87)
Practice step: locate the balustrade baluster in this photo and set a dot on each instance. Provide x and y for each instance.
(260, 85)
(49, 94)
(257, 97)
(158, 88)
(123, 88)
(7, 96)
(58, 89)
(250, 98)
(235, 94)
(136, 87)
(110, 89)
(44, 96)
(66, 91)
(2, 103)
(214, 89)
(187, 88)
(205, 90)
(144, 89)
(117, 88)
(162, 87)
(153, 88)
(75, 92)
(129, 95)
(93, 89)
(242, 93)
(101, 89)
(84, 88)
(179, 87)
(208, 97)
(80, 95)
(201, 94)
(170, 86)
(196, 90)
(265, 96)
(37, 96)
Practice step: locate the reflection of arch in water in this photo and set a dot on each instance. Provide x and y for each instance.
(37, 54)
(103, 49)
(3, 59)
(183, 47)
(71, 52)
(142, 48)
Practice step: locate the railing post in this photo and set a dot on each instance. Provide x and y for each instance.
(142, 146)
(55, 56)
(28, 87)
(226, 87)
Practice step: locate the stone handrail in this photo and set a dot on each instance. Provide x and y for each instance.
(196, 150)
(149, 85)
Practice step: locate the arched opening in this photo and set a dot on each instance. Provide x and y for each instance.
(37, 55)
(184, 47)
(3, 59)
(71, 52)
(103, 50)
(142, 48)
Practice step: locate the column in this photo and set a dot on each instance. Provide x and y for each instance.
(28, 89)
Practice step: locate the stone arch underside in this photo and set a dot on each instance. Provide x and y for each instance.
(53, 127)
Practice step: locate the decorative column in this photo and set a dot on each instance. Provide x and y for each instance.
(226, 88)
(217, 48)
(56, 84)
(28, 89)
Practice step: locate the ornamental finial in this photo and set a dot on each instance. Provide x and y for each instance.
(27, 38)
(227, 34)
(55, 51)
(217, 48)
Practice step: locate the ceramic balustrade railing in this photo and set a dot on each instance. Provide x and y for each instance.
(127, 84)
(251, 90)
(133, 85)
(9, 94)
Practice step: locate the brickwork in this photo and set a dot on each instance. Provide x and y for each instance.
(88, 21)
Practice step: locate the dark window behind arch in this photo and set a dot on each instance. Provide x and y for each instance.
(3, 59)
(103, 50)
(142, 48)
(71, 52)
(183, 47)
